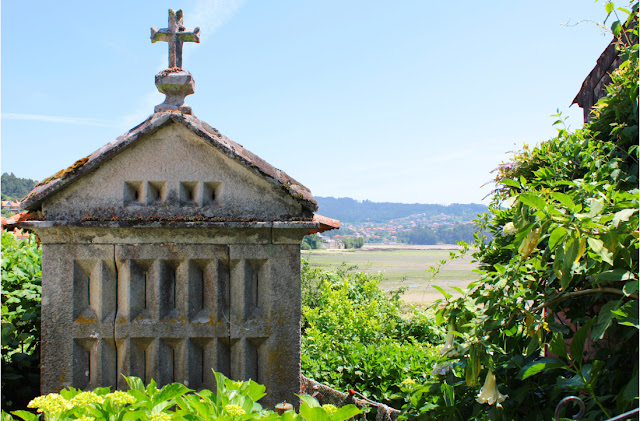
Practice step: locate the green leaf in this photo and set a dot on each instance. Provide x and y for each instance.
(346, 412)
(309, 401)
(616, 27)
(460, 290)
(532, 200)
(556, 236)
(311, 410)
(558, 345)
(575, 382)
(135, 383)
(627, 315)
(535, 367)
(609, 7)
(26, 415)
(565, 200)
(440, 316)
(622, 216)
(595, 207)
(598, 247)
(576, 348)
(630, 391)
(511, 183)
(630, 287)
(604, 320)
(443, 292)
(168, 392)
(255, 391)
(571, 249)
(135, 415)
(614, 275)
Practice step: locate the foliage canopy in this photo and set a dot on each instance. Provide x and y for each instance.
(21, 291)
(556, 310)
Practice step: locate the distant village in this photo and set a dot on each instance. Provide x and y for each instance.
(401, 230)
(10, 216)
(9, 207)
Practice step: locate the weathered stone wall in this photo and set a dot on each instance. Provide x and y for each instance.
(171, 304)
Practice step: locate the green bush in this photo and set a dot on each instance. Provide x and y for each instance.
(357, 337)
(555, 312)
(233, 401)
(21, 289)
(310, 242)
(353, 242)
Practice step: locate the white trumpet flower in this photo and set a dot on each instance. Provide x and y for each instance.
(489, 392)
(449, 348)
(509, 229)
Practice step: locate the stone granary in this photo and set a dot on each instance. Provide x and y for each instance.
(169, 252)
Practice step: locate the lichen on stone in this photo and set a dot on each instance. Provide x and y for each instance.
(66, 172)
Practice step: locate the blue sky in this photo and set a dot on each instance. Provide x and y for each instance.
(409, 101)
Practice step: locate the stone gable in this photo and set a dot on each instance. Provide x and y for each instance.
(175, 173)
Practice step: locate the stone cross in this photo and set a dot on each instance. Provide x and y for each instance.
(175, 35)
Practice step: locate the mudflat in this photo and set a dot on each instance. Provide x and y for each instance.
(404, 266)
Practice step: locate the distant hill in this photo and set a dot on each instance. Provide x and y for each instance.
(353, 211)
(345, 209)
(15, 188)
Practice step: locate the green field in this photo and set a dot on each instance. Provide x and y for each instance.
(402, 267)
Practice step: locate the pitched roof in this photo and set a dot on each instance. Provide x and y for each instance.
(235, 151)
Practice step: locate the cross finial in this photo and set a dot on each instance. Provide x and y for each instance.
(175, 35)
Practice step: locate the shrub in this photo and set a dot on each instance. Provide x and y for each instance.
(356, 336)
(232, 401)
(555, 312)
(21, 289)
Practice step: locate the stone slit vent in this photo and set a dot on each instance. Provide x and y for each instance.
(248, 357)
(95, 362)
(93, 290)
(133, 192)
(184, 193)
(189, 193)
(249, 288)
(156, 192)
(170, 284)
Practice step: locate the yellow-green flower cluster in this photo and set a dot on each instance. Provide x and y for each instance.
(234, 410)
(85, 418)
(162, 416)
(121, 398)
(50, 404)
(330, 409)
(86, 398)
(235, 384)
(408, 383)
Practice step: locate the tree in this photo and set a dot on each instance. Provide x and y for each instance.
(353, 242)
(15, 188)
(311, 242)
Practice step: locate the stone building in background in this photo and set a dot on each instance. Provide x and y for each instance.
(594, 86)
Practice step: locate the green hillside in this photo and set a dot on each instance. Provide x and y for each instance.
(15, 188)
